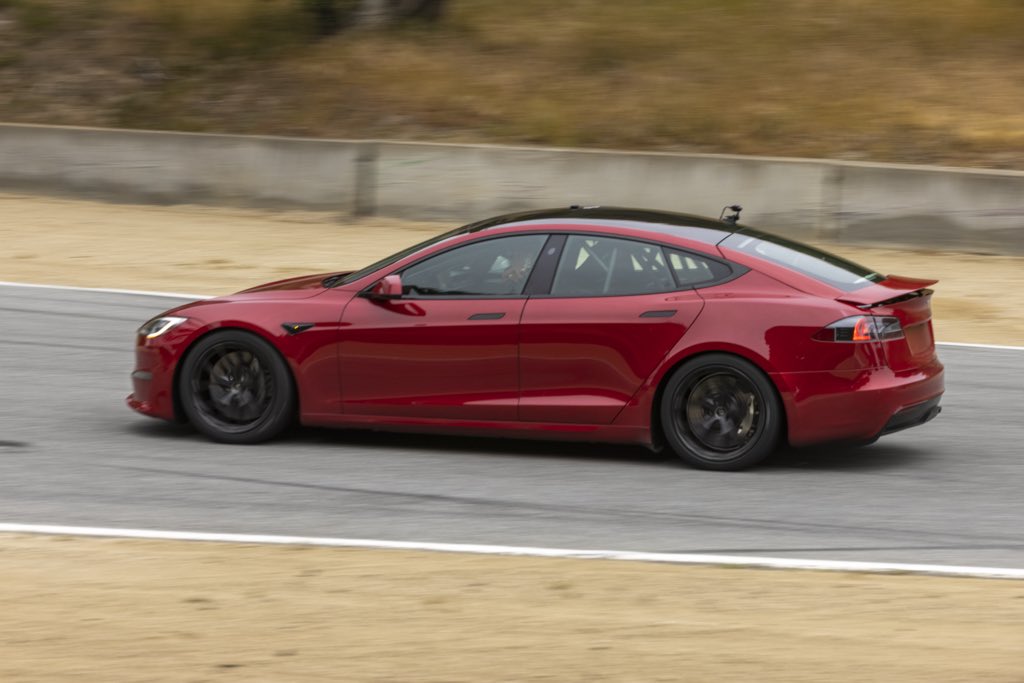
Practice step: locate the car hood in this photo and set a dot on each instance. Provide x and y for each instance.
(301, 287)
(310, 284)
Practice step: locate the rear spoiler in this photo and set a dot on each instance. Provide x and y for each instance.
(891, 290)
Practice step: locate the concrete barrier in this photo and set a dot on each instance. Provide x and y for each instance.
(443, 181)
(944, 208)
(839, 201)
(180, 167)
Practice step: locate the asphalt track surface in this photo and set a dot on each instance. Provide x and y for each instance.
(71, 453)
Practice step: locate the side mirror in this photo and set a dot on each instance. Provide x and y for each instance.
(389, 287)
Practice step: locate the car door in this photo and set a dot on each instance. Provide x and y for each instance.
(448, 348)
(615, 309)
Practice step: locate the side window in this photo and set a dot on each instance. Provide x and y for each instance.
(607, 266)
(692, 270)
(496, 267)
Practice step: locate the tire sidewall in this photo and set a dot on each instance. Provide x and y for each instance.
(279, 413)
(762, 444)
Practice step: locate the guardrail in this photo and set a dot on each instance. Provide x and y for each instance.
(952, 208)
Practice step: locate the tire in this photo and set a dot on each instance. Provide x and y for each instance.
(720, 412)
(235, 388)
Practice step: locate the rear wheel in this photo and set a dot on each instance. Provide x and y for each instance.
(720, 412)
(235, 388)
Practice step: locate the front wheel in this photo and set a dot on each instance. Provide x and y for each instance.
(235, 388)
(720, 412)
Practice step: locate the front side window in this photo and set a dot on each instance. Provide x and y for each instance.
(494, 267)
(608, 266)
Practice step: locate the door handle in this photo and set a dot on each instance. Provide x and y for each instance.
(487, 316)
(658, 314)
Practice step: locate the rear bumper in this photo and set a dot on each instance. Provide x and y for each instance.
(912, 416)
(860, 406)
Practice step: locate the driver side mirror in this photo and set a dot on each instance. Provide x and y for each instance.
(389, 287)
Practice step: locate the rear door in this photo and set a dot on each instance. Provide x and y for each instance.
(613, 311)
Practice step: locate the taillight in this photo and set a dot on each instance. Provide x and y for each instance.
(861, 328)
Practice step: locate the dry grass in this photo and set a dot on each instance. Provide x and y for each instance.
(910, 81)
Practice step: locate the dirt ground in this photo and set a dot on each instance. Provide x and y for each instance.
(204, 250)
(79, 609)
(76, 609)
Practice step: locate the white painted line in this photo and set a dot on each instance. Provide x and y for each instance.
(982, 346)
(105, 290)
(623, 555)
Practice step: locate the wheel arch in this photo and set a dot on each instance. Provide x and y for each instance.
(176, 401)
(669, 369)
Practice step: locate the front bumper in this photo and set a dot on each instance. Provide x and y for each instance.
(152, 385)
(153, 376)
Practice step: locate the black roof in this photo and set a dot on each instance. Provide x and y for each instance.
(710, 230)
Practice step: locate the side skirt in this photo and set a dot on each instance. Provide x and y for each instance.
(545, 431)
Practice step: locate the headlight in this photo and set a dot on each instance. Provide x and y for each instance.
(157, 326)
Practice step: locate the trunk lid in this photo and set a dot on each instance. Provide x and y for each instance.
(910, 301)
(891, 288)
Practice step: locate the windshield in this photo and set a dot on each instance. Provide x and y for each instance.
(803, 258)
(395, 258)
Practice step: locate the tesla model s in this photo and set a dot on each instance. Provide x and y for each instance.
(709, 337)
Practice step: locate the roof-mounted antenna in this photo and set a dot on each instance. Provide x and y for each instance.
(733, 217)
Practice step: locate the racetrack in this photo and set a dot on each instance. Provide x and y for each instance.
(72, 453)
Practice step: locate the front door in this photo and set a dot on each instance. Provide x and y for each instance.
(449, 347)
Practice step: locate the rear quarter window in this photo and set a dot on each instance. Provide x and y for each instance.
(692, 270)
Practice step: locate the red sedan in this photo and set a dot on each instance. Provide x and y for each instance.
(590, 323)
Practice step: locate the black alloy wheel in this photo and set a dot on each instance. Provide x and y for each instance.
(720, 412)
(235, 388)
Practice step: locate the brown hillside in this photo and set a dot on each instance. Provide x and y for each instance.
(911, 81)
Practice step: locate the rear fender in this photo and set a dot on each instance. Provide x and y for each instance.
(772, 326)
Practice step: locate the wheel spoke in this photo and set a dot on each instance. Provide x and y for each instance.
(707, 423)
(726, 427)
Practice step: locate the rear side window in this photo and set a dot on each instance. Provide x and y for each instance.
(803, 258)
(607, 266)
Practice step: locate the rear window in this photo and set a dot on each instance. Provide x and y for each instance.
(820, 265)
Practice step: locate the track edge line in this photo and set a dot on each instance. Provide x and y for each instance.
(525, 551)
(107, 290)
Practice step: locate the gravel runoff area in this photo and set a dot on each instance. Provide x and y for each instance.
(80, 609)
